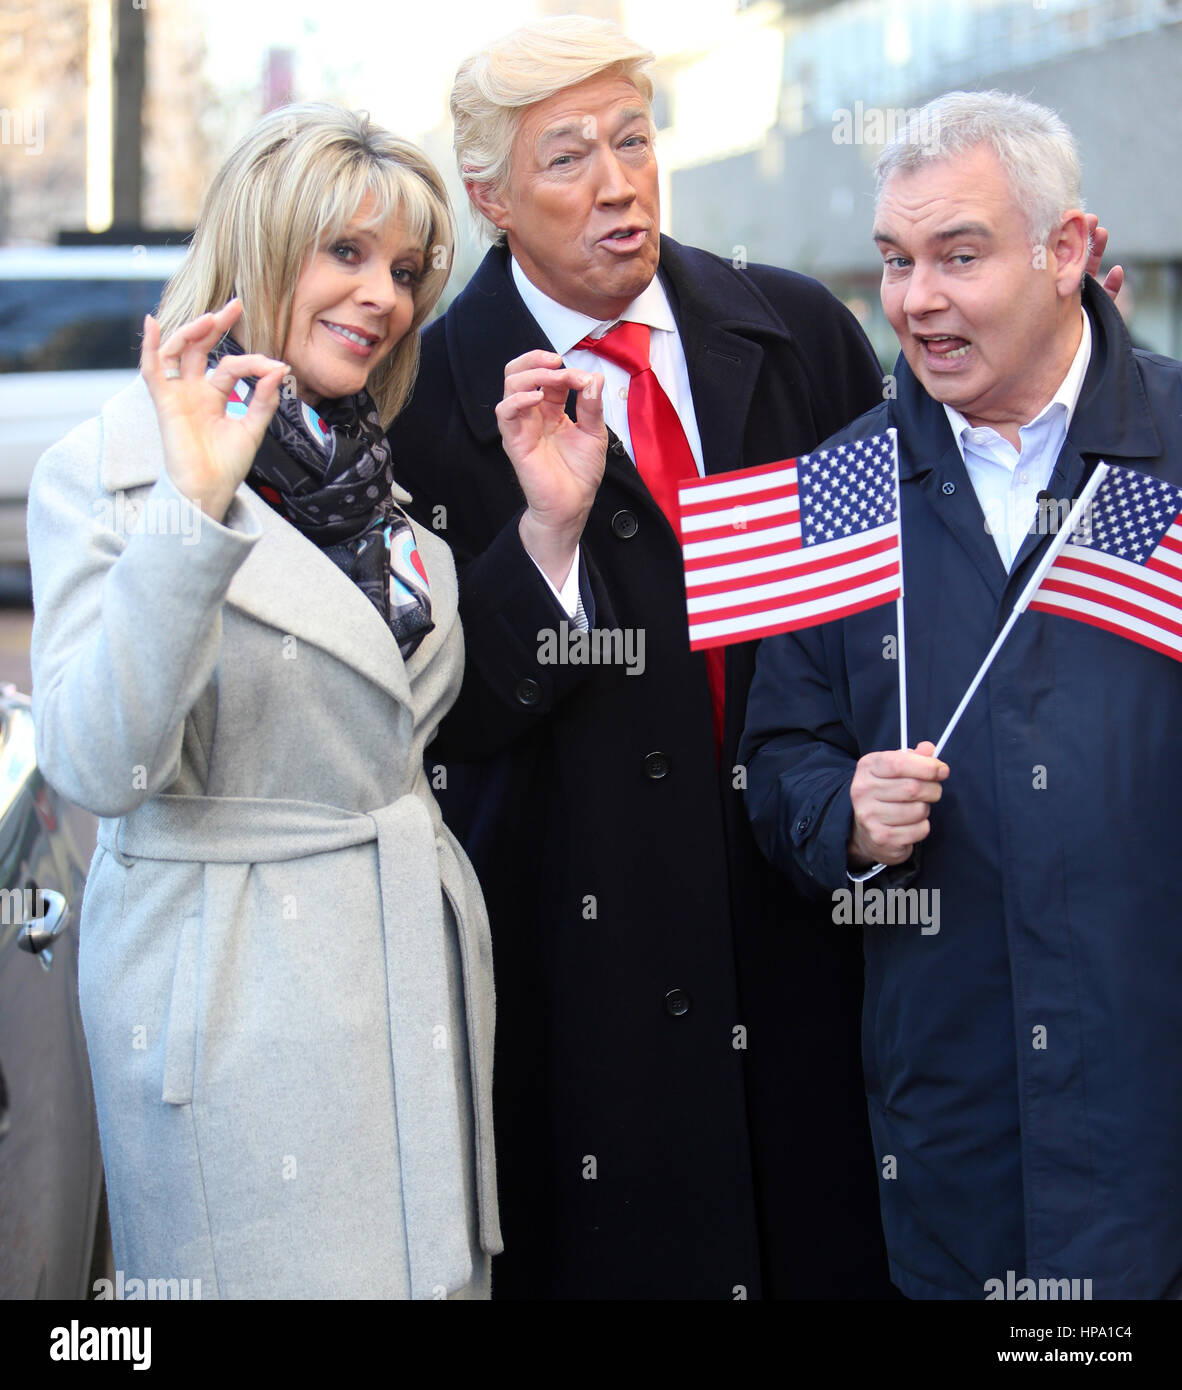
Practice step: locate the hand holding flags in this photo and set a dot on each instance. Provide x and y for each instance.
(810, 540)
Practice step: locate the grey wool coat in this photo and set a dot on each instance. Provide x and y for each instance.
(285, 969)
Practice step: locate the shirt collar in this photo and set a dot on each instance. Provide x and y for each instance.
(1067, 395)
(565, 327)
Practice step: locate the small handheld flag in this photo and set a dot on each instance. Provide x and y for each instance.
(1121, 570)
(791, 544)
(1072, 526)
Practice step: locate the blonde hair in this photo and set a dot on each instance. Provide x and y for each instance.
(494, 86)
(293, 182)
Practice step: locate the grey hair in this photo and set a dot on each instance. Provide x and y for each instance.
(494, 87)
(1032, 143)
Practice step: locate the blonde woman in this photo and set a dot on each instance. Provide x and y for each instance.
(242, 647)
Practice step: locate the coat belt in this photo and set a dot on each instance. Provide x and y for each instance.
(248, 830)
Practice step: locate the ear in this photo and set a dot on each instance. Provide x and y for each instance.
(1068, 247)
(488, 202)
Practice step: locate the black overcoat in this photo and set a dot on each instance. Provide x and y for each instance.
(678, 1095)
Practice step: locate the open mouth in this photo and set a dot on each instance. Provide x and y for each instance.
(945, 348)
(625, 239)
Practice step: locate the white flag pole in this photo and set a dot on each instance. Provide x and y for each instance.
(902, 652)
(1027, 594)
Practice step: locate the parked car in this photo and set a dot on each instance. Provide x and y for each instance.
(54, 1240)
(70, 324)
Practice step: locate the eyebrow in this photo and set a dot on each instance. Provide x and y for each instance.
(372, 230)
(559, 132)
(574, 129)
(965, 229)
(632, 113)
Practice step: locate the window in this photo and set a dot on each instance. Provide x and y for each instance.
(73, 325)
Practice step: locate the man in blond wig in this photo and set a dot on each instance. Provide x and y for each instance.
(678, 1091)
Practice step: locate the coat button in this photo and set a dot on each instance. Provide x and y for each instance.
(528, 692)
(949, 489)
(656, 765)
(677, 1002)
(803, 824)
(625, 525)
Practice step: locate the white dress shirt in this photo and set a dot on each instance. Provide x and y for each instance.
(1007, 482)
(565, 327)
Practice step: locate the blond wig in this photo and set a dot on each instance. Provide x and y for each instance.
(494, 87)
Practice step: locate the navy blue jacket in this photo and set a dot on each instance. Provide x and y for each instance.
(1022, 1064)
(666, 1005)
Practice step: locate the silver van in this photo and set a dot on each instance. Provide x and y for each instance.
(54, 1237)
(71, 318)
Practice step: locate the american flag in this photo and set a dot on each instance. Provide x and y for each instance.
(1122, 568)
(791, 544)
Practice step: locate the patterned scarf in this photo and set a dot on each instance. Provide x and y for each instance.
(329, 473)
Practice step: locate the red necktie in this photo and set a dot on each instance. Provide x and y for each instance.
(662, 452)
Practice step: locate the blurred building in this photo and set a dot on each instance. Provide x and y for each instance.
(181, 150)
(43, 54)
(770, 132)
(770, 112)
(46, 67)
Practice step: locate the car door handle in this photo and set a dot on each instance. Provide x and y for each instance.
(40, 933)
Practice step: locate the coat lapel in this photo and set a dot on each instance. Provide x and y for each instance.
(928, 456)
(721, 333)
(289, 583)
(487, 326)
(1112, 420)
(285, 581)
